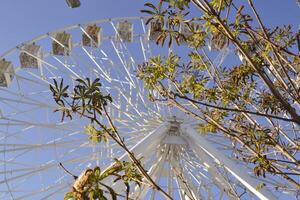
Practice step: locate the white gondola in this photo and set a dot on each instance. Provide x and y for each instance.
(155, 30)
(92, 36)
(125, 31)
(31, 56)
(73, 3)
(6, 73)
(62, 44)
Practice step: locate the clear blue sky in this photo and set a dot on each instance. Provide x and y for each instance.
(22, 20)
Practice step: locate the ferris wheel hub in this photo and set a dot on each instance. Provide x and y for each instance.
(174, 135)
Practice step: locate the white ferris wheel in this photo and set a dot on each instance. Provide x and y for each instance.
(34, 141)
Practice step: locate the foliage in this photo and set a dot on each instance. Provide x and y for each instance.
(97, 135)
(88, 101)
(254, 102)
(86, 98)
(90, 185)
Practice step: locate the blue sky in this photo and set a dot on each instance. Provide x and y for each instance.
(22, 20)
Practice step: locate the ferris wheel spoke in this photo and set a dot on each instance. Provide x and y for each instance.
(117, 81)
(21, 147)
(56, 192)
(124, 49)
(198, 180)
(67, 67)
(13, 163)
(29, 128)
(186, 176)
(49, 165)
(41, 191)
(59, 126)
(29, 102)
(128, 100)
(55, 73)
(140, 126)
(124, 65)
(217, 178)
(37, 79)
(144, 39)
(156, 176)
(241, 177)
(121, 125)
(170, 181)
(25, 99)
(16, 113)
(122, 91)
(145, 31)
(222, 186)
(187, 193)
(106, 76)
(145, 106)
(24, 175)
(154, 173)
(141, 38)
(132, 61)
(127, 114)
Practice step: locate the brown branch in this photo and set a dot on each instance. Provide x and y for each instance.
(234, 109)
(134, 159)
(230, 132)
(121, 143)
(67, 171)
(268, 38)
(260, 72)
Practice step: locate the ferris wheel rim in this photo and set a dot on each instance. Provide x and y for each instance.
(13, 176)
(69, 28)
(66, 28)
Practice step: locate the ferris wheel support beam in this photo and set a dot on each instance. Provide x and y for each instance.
(123, 64)
(237, 171)
(155, 175)
(217, 177)
(184, 180)
(105, 75)
(151, 141)
(145, 147)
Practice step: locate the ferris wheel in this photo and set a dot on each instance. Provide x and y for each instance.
(34, 141)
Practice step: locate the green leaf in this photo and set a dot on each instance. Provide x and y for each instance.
(69, 196)
(97, 172)
(150, 5)
(260, 186)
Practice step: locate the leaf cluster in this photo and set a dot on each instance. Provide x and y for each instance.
(86, 97)
(97, 135)
(90, 185)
